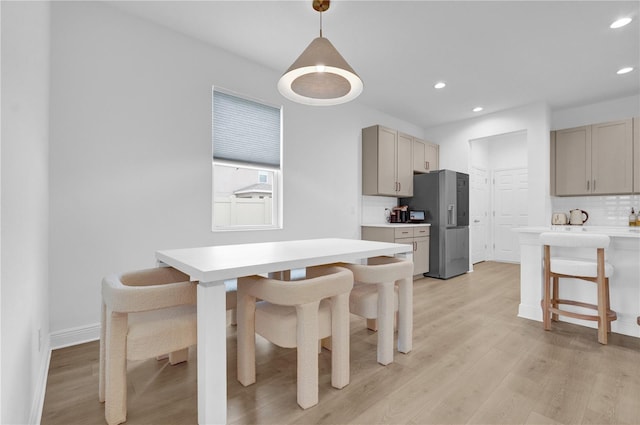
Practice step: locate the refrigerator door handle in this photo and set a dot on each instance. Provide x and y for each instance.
(451, 215)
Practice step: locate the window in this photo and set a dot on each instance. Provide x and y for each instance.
(247, 140)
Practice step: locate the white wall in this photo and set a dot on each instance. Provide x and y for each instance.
(131, 153)
(534, 119)
(611, 110)
(500, 152)
(25, 196)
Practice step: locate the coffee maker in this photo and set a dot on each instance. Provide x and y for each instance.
(399, 214)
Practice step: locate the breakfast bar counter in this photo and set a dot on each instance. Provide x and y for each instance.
(623, 253)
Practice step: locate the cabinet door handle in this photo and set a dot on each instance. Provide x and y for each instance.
(426, 165)
(415, 246)
(399, 186)
(588, 185)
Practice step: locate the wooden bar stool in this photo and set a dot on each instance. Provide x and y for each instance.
(598, 272)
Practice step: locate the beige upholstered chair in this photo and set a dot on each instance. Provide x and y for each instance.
(598, 272)
(145, 314)
(383, 287)
(297, 314)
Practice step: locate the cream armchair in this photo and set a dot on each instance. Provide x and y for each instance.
(297, 314)
(145, 314)
(383, 287)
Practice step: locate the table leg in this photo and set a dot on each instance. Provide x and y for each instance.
(212, 353)
(405, 311)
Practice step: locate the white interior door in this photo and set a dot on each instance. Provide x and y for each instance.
(479, 214)
(510, 202)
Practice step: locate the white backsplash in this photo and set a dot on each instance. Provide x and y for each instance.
(373, 208)
(611, 210)
(603, 210)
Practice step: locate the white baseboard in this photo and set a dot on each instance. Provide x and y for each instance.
(531, 312)
(60, 339)
(38, 395)
(75, 336)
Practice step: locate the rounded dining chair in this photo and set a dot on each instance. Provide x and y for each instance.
(145, 314)
(383, 287)
(297, 314)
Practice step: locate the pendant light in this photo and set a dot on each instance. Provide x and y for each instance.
(320, 76)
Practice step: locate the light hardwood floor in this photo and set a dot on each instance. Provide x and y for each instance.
(473, 361)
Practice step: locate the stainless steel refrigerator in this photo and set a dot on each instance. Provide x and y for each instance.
(444, 196)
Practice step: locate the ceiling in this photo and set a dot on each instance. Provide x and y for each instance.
(494, 54)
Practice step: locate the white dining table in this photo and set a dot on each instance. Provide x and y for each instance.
(210, 266)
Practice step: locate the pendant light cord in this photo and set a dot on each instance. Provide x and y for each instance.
(320, 24)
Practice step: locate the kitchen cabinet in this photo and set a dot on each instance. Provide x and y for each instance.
(387, 163)
(418, 236)
(636, 155)
(425, 156)
(594, 159)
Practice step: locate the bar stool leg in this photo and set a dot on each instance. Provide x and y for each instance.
(546, 319)
(606, 282)
(554, 303)
(602, 299)
(602, 314)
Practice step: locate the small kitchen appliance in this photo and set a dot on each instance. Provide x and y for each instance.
(416, 216)
(578, 217)
(559, 219)
(402, 213)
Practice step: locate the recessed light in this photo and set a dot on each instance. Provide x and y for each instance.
(477, 109)
(625, 70)
(440, 85)
(620, 23)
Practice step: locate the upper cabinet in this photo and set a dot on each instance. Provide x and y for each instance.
(390, 158)
(593, 160)
(636, 155)
(387, 163)
(425, 156)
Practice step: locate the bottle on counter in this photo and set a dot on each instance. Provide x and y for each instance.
(633, 218)
(638, 218)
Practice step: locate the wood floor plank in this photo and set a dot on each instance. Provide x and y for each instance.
(473, 361)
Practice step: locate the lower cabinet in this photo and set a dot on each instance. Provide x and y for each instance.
(417, 236)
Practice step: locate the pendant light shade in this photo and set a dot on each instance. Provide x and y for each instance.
(320, 76)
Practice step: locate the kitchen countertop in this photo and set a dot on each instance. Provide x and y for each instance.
(397, 225)
(621, 231)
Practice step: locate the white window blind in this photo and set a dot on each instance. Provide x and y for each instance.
(245, 131)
